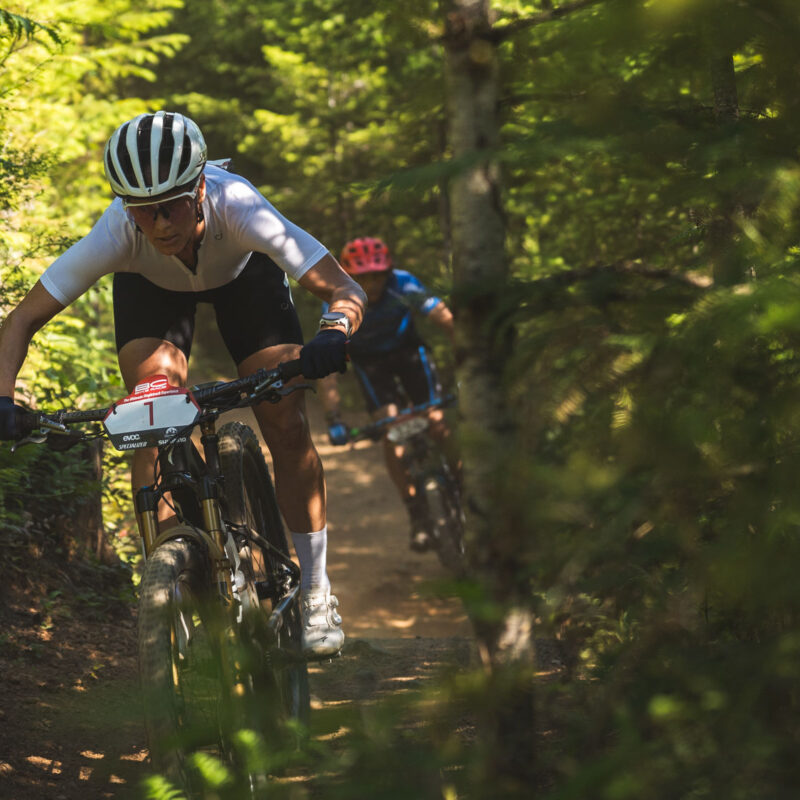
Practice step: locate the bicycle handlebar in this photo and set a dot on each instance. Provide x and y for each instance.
(375, 428)
(255, 386)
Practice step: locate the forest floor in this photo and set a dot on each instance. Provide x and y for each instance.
(70, 726)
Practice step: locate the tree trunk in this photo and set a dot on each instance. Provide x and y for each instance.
(487, 433)
(445, 216)
(723, 83)
(726, 266)
(88, 530)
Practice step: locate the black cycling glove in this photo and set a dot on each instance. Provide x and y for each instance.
(324, 354)
(10, 419)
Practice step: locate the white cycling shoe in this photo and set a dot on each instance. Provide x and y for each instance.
(323, 636)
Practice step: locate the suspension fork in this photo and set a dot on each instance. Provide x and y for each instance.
(183, 477)
(146, 505)
(210, 507)
(147, 500)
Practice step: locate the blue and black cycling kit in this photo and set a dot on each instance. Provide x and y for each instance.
(388, 324)
(388, 355)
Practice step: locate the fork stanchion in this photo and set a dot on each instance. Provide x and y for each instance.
(146, 504)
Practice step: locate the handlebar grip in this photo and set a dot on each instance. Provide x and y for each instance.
(27, 423)
(290, 369)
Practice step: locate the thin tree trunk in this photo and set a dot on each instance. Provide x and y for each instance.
(723, 83)
(89, 532)
(480, 274)
(726, 267)
(444, 198)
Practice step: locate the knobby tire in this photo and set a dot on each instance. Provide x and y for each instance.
(444, 503)
(279, 690)
(176, 663)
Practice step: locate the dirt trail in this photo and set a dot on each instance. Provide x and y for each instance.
(69, 716)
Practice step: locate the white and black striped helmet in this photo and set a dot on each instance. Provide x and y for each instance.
(153, 154)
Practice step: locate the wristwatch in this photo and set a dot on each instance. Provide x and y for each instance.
(335, 319)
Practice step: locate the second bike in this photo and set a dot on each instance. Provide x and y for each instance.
(430, 473)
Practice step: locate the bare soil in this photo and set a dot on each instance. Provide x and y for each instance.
(69, 710)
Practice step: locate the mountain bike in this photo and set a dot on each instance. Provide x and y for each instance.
(219, 631)
(430, 473)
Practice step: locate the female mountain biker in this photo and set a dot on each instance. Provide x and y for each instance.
(393, 365)
(181, 231)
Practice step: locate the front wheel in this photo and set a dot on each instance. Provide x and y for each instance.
(251, 506)
(176, 659)
(447, 517)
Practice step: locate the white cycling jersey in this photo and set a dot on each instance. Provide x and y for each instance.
(239, 221)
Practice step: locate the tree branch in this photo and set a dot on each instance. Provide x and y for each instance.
(573, 276)
(500, 33)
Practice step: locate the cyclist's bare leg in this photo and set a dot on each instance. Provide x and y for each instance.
(440, 431)
(417, 507)
(393, 456)
(393, 453)
(300, 491)
(299, 477)
(138, 360)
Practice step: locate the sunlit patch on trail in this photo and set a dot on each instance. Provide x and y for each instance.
(140, 756)
(337, 734)
(400, 623)
(47, 764)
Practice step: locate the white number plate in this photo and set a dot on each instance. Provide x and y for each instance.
(403, 431)
(151, 416)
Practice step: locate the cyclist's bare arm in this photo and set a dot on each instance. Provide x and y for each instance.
(328, 281)
(19, 327)
(442, 316)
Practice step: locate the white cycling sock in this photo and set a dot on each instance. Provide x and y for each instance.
(312, 551)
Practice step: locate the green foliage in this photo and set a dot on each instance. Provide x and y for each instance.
(664, 429)
(317, 104)
(16, 29)
(157, 787)
(657, 410)
(62, 68)
(45, 481)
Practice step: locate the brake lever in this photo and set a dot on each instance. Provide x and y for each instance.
(41, 435)
(34, 437)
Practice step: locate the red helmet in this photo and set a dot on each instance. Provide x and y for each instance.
(365, 255)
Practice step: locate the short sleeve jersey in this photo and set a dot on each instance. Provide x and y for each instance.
(388, 325)
(239, 222)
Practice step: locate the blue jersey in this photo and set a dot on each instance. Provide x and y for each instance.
(388, 325)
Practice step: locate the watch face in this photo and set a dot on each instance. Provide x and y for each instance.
(332, 318)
